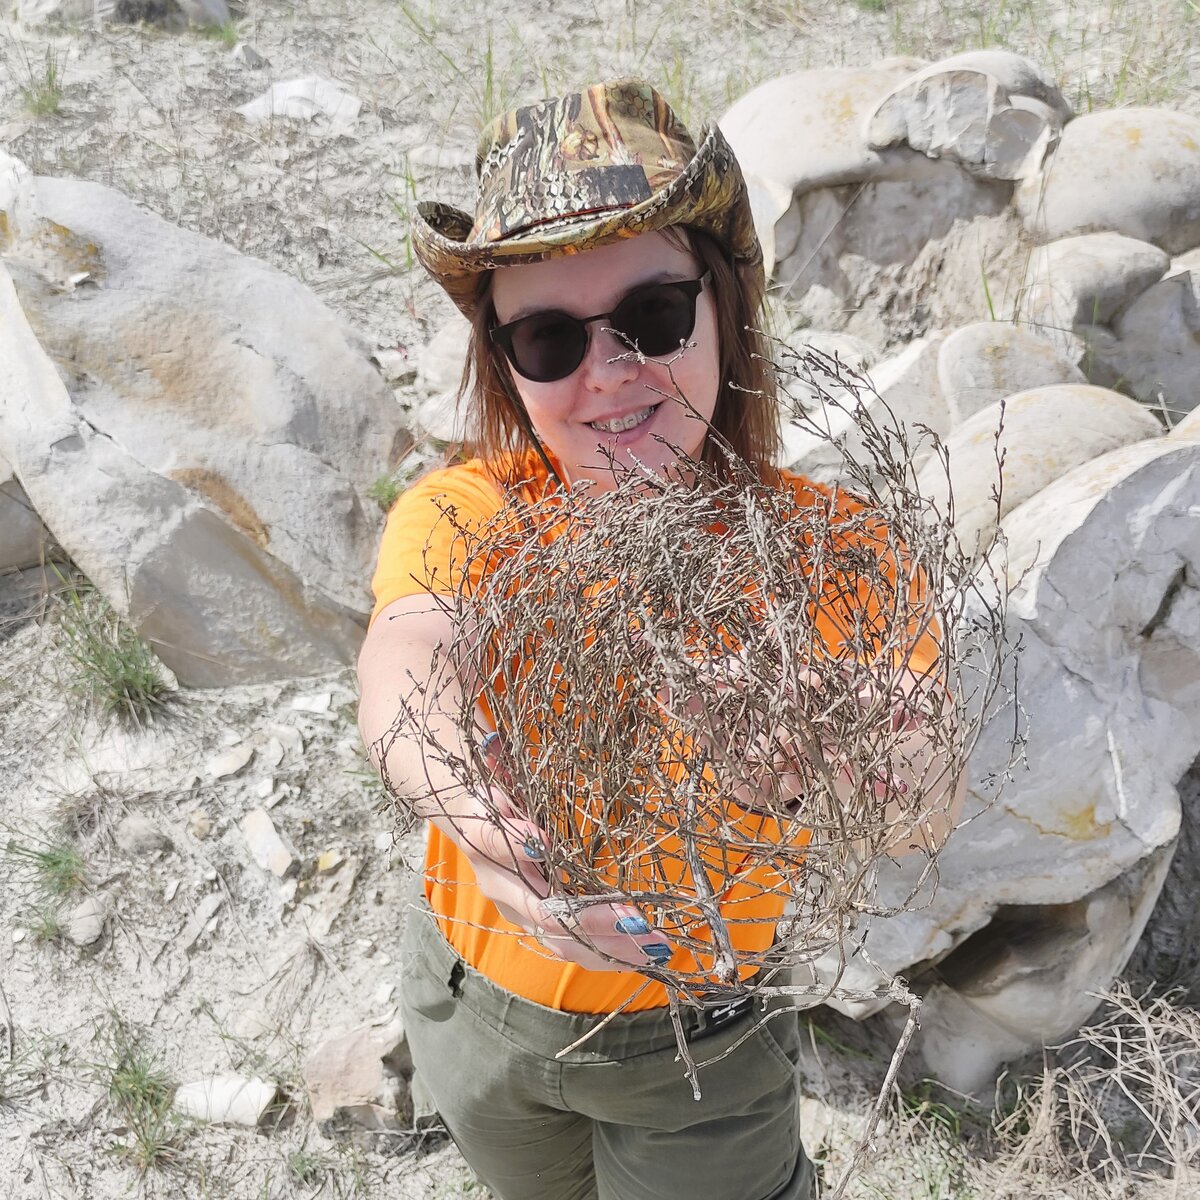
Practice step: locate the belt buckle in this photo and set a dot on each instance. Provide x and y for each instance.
(721, 1015)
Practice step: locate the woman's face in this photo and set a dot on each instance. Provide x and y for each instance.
(581, 418)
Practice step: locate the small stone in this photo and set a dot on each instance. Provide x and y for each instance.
(210, 875)
(139, 835)
(289, 736)
(246, 54)
(225, 1099)
(266, 846)
(383, 841)
(383, 995)
(330, 860)
(382, 960)
(252, 1023)
(270, 754)
(19, 935)
(264, 787)
(230, 762)
(287, 890)
(170, 890)
(201, 919)
(365, 945)
(86, 921)
(199, 825)
(318, 702)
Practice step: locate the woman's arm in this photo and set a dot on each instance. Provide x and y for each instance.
(410, 716)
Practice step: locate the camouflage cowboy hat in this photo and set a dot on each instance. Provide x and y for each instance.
(576, 171)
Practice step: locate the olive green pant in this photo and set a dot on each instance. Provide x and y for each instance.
(614, 1119)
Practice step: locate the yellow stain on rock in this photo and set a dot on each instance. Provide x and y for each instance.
(1133, 135)
(221, 493)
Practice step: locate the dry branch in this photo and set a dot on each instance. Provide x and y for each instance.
(726, 698)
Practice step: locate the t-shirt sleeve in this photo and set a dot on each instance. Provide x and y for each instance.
(425, 540)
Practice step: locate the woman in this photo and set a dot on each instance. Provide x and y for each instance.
(603, 241)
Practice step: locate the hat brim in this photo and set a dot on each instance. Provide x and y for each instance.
(708, 193)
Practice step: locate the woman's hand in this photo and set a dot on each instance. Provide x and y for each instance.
(777, 762)
(507, 853)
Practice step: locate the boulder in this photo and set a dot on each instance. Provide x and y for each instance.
(1077, 282)
(901, 399)
(895, 258)
(1155, 349)
(1032, 977)
(1133, 171)
(965, 114)
(1106, 613)
(1040, 435)
(988, 360)
(23, 537)
(769, 202)
(360, 1080)
(1019, 77)
(1189, 428)
(222, 419)
(439, 373)
(803, 130)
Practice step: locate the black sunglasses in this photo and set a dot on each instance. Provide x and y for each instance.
(654, 320)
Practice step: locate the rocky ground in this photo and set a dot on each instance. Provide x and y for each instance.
(147, 938)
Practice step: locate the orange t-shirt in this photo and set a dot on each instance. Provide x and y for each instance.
(423, 550)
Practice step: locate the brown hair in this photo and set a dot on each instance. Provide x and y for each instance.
(745, 417)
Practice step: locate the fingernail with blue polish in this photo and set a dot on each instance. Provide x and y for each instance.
(659, 951)
(534, 849)
(634, 925)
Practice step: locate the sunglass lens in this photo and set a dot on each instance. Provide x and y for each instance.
(656, 319)
(549, 347)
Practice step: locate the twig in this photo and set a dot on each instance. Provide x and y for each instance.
(9, 1033)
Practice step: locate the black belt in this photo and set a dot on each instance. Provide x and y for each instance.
(717, 1014)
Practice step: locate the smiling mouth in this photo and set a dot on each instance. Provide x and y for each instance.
(623, 424)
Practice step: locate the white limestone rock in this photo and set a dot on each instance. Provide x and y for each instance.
(139, 835)
(23, 538)
(307, 99)
(1046, 431)
(231, 761)
(250, 58)
(1188, 430)
(803, 130)
(85, 922)
(224, 421)
(1019, 77)
(439, 372)
(1155, 350)
(1083, 281)
(1132, 171)
(964, 114)
(225, 1099)
(360, 1080)
(892, 255)
(1106, 611)
(988, 360)
(1032, 977)
(769, 202)
(270, 850)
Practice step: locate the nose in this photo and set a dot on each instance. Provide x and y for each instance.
(609, 361)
